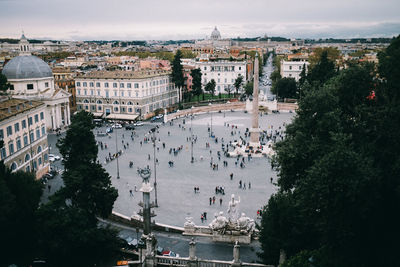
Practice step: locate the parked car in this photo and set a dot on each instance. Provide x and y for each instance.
(54, 156)
(116, 126)
(130, 126)
(109, 130)
(138, 123)
(169, 253)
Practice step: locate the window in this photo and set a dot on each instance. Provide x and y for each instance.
(98, 92)
(3, 153)
(87, 107)
(115, 93)
(78, 83)
(121, 85)
(9, 130)
(129, 109)
(13, 166)
(40, 161)
(23, 124)
(30, 121)
(99, 107)
(36, 117)
(32, 136)
(85, 92)
(99, 102)
(290, 67)
(27, 157)
(16, 127)
(29, 86)
(25, 140)
(106, 85)
(137, 85)
(299, 67)
(41, 116)
(19, 143)
(37, 133)
(97, 84)
(116, 109)
(46, 84)
(137, 93)
(1, 134)
(240, 68)
(45, 157)
(129, 85)
(11, 147)
(91, 92)
(84, 84)
(79, 91)
(129, 93)
(107, 94)
(233, 68)
(115, 103)
(43, 130)
(115, 85)
(11, 86)
(91, 84)
(205, 68)
(122, 93)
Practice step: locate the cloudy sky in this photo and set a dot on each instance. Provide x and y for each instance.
(188, 19)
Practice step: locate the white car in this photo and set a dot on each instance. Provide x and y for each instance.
(117, 126)
(55, 157)
(139, 123)
(51, 158)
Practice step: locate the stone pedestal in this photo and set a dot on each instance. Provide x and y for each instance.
(236, 255)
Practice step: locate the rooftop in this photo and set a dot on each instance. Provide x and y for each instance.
(124, 74)
(12, 107)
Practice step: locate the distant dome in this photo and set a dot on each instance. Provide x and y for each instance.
(215, 35)
(27, 67)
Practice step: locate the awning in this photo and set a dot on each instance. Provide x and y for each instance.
(98, 114)
(116, 116)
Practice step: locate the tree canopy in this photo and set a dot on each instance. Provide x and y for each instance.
(285, 88)
(210, 87)
(4, 85)
(338, 173)
(177, 71)
(196, 76)
(238, 83)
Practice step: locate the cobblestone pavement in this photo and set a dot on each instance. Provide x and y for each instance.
(175, 185)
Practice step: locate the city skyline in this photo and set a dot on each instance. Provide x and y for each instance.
(176, 19)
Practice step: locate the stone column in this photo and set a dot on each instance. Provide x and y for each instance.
(57, 116)
(65, 114)
(236, 255)
(255, 131)
(53, 118)
(192, 249)
(68, 115)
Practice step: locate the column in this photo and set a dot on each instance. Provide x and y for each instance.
(53, 118)
(57, 116)
(236, 255)
(65, 115)
(68, 114)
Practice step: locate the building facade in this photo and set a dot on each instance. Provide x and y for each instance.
(224, 73)
(292, 69)
(64, 79)
(125, 94)
(23, 131)
(32, 79)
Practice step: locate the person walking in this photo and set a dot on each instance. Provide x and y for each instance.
(231, 176)
(220, 201)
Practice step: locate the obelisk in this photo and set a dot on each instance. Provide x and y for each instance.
(255, 131)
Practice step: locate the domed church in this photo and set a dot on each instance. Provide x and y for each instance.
(32, 79)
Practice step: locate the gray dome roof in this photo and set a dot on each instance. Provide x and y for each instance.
(215, 35)
(26, 67)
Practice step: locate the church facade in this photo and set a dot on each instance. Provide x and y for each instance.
(32, 79)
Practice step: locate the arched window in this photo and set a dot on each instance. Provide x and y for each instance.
(85, 101)
(13, 166)
(27, 157)
(99, 102)
(115, 103)
(39, 149)
(40, 161)
(130, 103)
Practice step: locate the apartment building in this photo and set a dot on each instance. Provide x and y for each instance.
(292, 69)
(23, 131)
(125, 95)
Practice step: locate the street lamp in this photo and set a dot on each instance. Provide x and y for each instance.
(191, 131)
(154, 160)
(211, 131)
(116, 149)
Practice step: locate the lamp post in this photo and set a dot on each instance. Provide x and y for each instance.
(211, 131)
(191, 131)
(155, 168)
(116, 149)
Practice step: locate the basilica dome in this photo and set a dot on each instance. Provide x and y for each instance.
(215, 35)
(26, 67)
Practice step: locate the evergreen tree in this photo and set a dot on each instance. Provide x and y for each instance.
(4, 85)
(210, 87)
(338, 174)
(177, 72)
(238, 83)
(196, 87)
(322, 71)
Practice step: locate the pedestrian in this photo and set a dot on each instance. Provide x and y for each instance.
(210, 201)
(202, 218)
(231, 176)
(205, 216)
(213, 199)
(49, 187)
(249, 185)
(130, 192)
(220, 201)
(271, 180)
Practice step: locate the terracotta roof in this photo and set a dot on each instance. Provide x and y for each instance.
(12, 107)
(123, 74)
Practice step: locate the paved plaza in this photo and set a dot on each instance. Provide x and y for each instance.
(175, 185)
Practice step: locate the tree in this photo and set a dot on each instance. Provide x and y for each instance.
(332, 54)
(229, 89)
(4, 85)
(337, 169)
(68, 223)
(322, 71)
(177, 71)
(19, 199)
(238, 83)
(210, 87)
(196, 87)
(285, 88)
(248, 88)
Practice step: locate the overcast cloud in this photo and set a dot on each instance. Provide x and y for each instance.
(186, 19)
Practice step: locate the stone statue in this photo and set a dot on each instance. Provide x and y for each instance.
(243, 221)
(233, 209)
(219, 222)
(189, 222)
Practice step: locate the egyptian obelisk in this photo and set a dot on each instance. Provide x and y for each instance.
(255, 131)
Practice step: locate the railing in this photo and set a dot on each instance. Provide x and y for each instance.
(214, 263)
(171, 261)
